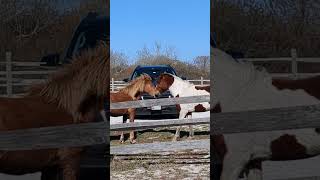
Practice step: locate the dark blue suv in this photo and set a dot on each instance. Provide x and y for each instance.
(154, 72)
(92, 28)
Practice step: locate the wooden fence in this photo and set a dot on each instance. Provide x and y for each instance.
(294, 60)
(97, 133)
(9, 81)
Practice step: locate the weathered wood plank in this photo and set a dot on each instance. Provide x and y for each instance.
(303, 178)
(160, 102)
(160, 147)
(156, 124)
(55, 137)
(300, 59)
(266, 120)
(30, 72)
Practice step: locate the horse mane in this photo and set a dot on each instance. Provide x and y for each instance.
(176, 77)
(87, 75)
(136, 85)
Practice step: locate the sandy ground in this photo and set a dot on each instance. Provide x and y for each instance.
(184, 165)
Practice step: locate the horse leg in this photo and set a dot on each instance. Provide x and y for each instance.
(233, 164)
(255, 174)
(191, 131)
(132, 114)
(182, 115)
(255, 170)
(103, 115)
(124, 120)
(70, 163)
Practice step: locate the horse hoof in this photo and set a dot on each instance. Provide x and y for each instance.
(133, 141)
(175, 138)
(190, 138)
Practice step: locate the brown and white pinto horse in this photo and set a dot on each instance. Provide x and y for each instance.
(73, 94)
(130, 93)
(240, 86)
(182, 88)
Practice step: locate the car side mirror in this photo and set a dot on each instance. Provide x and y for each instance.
(126, 80)
(183, 78)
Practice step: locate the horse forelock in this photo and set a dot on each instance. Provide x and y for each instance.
(87, 75)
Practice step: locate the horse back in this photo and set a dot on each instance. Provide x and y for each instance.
(21, 113)
(206, 88)
(309, 85)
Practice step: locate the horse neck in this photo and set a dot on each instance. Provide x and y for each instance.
(231, 77)
(179, 86)
(133, 90)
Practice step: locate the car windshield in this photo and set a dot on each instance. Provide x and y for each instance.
(154, 73)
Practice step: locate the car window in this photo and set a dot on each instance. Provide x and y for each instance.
(80, 43)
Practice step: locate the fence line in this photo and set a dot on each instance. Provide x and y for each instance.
(115, 85)
(294, 59)
(160, 102)
(96, 133)
(11, 81)
(156, 124)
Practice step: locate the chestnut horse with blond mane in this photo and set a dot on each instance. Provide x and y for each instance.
(130, 93)
(74, 94)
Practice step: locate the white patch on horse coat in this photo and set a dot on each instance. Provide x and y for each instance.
(241, 87)
(184, 89)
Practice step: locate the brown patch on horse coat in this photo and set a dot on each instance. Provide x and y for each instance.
(216, 109)
(219, 146)
(286, 147)
(309, 85)
(164, 82)
(206, 88)
(199, 108)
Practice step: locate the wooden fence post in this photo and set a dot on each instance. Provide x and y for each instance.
(9, 73)
(201, 81)
(294, 63)
(112, 84)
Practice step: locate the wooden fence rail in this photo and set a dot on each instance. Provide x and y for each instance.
(160, 102)
(294, 59)
(95, 133)
(75, 134)
(156, 124)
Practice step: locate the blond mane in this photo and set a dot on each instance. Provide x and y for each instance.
(87, 75)
(136, 85)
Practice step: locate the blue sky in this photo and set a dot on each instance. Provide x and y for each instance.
(182, 24)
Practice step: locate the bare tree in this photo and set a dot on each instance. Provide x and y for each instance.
(118, 62)
(203, 63)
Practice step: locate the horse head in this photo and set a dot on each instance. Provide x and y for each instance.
(164, 82)
(147, 85)
(80, 87)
